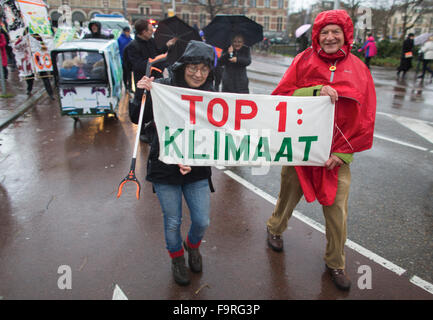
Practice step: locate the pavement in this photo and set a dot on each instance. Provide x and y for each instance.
(58, 208)
(19, 102)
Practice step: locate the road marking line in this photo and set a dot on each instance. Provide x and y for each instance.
(422, 284)
(401, 142)
(349, 243)
(118, 294)
(420, 127)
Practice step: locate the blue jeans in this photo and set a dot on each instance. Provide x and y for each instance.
(197, 196)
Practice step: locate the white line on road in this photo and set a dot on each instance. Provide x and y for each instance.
(400, 142)
(319, 227)
(422, 284)
(420, 127)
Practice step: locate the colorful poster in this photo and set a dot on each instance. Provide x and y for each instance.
(18, 37)
(213, 128)
(35, 16)
(31, 36)
(64, 34)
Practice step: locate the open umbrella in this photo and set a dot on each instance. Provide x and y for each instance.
(302, 29)
(174, 27)
(421, 38)
(220, 31)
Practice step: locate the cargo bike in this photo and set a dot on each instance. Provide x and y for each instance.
(88, 77)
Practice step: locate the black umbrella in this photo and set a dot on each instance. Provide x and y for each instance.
(174, 27)
(220, 31)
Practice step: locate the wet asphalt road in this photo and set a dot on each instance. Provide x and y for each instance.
(58, 183)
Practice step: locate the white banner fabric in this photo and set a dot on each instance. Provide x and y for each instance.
(201, 128)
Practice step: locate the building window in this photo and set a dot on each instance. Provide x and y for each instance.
(266, 23)
(280, 4)
(253, 3)
(167, 1)
(279, 24)
(253, 18)
(235, 3)
(267, 3)
(202, 20)
(185, 17)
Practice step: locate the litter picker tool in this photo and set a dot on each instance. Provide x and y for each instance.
(131, 175)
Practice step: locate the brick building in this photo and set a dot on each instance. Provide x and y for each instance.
(272, 14)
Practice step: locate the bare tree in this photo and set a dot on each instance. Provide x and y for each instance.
(214, 7)
(382, 14)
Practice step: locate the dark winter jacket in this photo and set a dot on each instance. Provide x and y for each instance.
(235, 74)
(97, 34)
(407, 46)
(135, 56)
(157, 171)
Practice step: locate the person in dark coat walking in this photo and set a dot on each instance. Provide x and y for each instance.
(406, 56)
(136, 54)
(235, 61)
(192, 70)
(95, 29)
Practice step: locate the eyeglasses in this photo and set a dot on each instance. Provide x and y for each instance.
(193, 69)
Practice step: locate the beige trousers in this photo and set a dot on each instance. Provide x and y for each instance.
(335, 215)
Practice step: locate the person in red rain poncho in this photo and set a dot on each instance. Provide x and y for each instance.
(328, 68)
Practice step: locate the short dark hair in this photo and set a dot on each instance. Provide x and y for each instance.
(141, 25)
(126, 29)
(411, 35)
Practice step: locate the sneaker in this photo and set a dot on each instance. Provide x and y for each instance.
(180, 272)
(194, 258)
(339, 278)
(275, 242)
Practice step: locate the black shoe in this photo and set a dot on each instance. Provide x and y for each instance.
(180, 272)
(51, 97)
(194, 258)
(275, 242)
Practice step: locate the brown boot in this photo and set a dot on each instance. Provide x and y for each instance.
(275, 242)
(339, 278)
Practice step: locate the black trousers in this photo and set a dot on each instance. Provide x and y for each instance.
(5, 72)
(425, 67)
(46, 81)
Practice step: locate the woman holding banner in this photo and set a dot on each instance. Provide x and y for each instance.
(192, 70)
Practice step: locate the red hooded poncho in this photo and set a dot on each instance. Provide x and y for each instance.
(355, 109)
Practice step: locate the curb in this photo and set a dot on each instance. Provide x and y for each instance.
(26, 106)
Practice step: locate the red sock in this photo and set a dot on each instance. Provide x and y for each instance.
(193, 246)
(176, 254)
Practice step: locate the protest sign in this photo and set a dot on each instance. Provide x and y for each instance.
(30, 34)
(214, 128)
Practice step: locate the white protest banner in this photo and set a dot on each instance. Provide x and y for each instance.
(214, 128)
